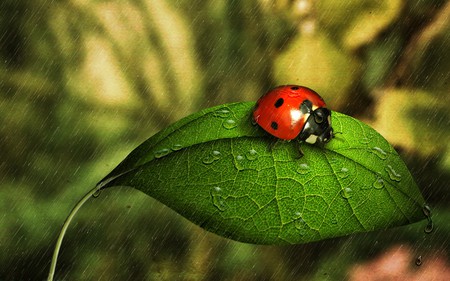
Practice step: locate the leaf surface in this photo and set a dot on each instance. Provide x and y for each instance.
(230, 177)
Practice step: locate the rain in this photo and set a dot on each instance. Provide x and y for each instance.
(85, 82)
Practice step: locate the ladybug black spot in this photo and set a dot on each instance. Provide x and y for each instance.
(274, 125)
(295, 88)
(279, 102)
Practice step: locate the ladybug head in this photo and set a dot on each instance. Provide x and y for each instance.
(318, 128)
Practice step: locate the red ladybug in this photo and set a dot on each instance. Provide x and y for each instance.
(291, 111)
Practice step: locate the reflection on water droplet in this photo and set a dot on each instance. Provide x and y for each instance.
(176, 147)
(346, 193)
(210, 158)
(364, 140)
(419, 261)
(393, 175)
(161, 153)
(343, 173)
(229, 124)
(217, 198)
(427, 212)
(251, 155)
(222, 113)
(303, 169)
(378, 183)
(379, 152)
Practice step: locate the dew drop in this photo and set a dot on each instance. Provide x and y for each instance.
(364, 140)
(393, 175)
(300, 224)
(251, 155)
(217, 198)
(222, 113)
(378, 183)
(379, 152)
(215, 154)
(427, 212)
(429, 228)
(239, 162)
(176, 147)
(303, 169)
(419, 261)
(229, 124)
(334, 160)
(211, 157)
(346, 193)
(208, 159)
(297, 215)
(343, 173)
(96, 194)
(161, 153)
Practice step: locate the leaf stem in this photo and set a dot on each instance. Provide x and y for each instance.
(64, 229)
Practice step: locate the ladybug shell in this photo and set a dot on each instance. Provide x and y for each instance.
(280, 111)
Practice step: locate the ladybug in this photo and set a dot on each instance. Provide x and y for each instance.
(294, 112)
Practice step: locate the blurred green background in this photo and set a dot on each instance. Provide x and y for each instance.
(83, 82)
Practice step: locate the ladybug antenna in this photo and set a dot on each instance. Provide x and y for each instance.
(335, 133)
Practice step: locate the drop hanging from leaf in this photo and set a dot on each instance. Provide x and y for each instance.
(248, 190)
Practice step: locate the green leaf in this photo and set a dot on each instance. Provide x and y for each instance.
(228, 176)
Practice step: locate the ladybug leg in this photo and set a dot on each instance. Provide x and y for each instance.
(272, 144)
(300, 151)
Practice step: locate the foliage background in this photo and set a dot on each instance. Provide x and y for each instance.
(83, 82)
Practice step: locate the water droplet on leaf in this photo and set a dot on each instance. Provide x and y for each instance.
(176, 147)
(161, 153)
(346, 193)
(215, 154)
(303, 169)
(217, 198)
(378, 183)
(211, 157)
(229, 124)
(334, 160)
(252, 155)
(393, 175)
(364, 140)
(222, 113)
(297, 215)
(343, 173)
(379, 152)
(300, 225)
(96, 194)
